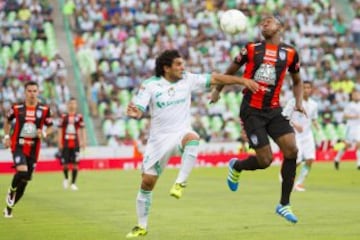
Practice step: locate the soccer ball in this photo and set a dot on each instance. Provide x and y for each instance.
(233, 21)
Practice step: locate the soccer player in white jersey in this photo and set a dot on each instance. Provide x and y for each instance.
(352, 134)
(303, 132)
(168, 97)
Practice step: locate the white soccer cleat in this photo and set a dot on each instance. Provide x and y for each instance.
(7, 214)
(74, 187)
(299, 188)
(65, 183)
(10, 198)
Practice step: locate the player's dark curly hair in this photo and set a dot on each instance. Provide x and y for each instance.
(166, 58)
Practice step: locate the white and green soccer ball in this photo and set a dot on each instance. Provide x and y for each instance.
(233, 21)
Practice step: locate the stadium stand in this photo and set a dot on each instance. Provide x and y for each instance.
(29, 52)
(116, 42)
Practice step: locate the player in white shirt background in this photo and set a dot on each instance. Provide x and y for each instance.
(303, 132)
(352, 134)
(168, 97)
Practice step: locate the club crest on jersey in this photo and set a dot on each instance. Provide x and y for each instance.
(282, 55)
(38, 113)
(171, 92)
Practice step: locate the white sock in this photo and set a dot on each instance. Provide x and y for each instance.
(188, 160)
(339, 155)
(303, 173)
(358, 157)
(143, 203)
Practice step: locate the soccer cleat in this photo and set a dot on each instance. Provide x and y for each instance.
(299, 188)
(10, 198)
(177, 190)
(7, 213)
(74, 187)
(65, 183)
(286, 212)
(137, 231)
(233, 176)
(336, 165)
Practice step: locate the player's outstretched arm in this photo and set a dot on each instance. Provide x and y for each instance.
(133, 111)
(223, 79)
(298, 92)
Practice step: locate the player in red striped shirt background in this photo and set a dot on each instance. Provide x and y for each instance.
(23, 129)
(72, 137)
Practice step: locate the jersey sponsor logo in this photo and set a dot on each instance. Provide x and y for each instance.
(70, 129)
(30, 113)
(28, 130)
(270, 59)
(10, 112)
(271, 53)
(170, 103)
(265, 73)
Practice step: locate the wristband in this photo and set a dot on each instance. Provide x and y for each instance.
(7, 136)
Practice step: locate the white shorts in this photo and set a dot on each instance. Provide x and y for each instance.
(159, 149)
(352, 134)
(306, 147)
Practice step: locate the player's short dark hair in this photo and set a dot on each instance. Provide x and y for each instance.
(166, 58)
(308, 82)
(72, 99)
(31, 83)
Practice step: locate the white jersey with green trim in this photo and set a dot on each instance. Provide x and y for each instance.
(169, 102)
(311, 109)
(353, 108)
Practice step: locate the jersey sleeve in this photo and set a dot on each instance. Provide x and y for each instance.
(48, 118)
(294, 67)
(315, 114)
(289, 109)
(198, 81)
(81, 121)
(242, 57)
(10, 115)
(348, 110)
(142, 98)
(61, 122)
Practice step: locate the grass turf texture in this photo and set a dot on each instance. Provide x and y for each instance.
(104, 207)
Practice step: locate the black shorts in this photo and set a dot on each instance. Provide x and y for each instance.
(70, 155)
(19, 158)
(258, 124)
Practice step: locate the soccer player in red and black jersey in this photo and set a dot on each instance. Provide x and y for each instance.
(71, 139)
(28, 118)
(267, 62)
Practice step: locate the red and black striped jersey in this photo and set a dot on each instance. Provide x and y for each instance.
(267, 64)
(28, 119)
(70, 125)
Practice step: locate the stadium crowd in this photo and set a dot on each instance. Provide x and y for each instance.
(29, 52)
(116, 42)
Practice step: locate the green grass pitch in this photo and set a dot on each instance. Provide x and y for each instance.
(104, 207)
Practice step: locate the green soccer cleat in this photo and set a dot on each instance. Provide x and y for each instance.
(137, 231)
(177, 190)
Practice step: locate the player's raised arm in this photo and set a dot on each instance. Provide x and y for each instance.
(223, 79)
